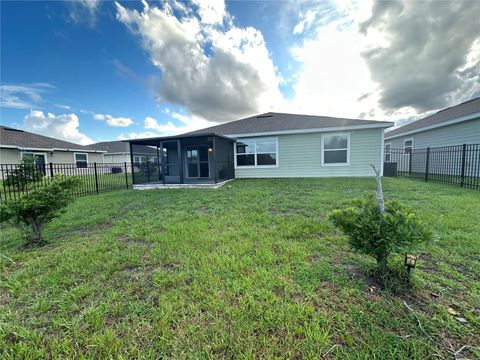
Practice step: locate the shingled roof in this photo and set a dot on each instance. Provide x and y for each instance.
(444, 116)
(119, 146)
(283, 123)
(111, 146)
(15, 138)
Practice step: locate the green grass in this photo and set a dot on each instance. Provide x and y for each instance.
(251, 270)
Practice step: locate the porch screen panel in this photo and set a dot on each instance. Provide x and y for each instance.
(146, 164)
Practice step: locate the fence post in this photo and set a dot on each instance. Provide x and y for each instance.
(126, 176)
(427, 160)
(96, 177)
(462, 178)
(51, 170)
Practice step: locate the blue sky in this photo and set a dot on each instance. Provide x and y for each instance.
(90, 71)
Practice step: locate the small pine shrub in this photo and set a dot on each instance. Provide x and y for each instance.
(34, 210)
(397, 229)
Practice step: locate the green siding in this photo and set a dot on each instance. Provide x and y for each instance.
(467, 132)
(299, 156)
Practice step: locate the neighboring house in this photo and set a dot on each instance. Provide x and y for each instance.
(119, 152)
(16, 144)
(266, 146)
(456, 125)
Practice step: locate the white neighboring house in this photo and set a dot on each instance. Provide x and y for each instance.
(116, 152)
(456, 125)
(17, 144)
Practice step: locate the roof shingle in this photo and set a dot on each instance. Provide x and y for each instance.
(279, 122)
(464, 109)
(24, 139)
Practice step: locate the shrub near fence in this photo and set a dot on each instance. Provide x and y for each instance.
(453, 165)
(96, 178)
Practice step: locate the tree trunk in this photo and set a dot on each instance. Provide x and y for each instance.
(381, 203)
(36, 236)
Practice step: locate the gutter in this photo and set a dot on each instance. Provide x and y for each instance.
(49, 149)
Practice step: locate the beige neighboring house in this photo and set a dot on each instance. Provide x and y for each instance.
(16, 144)
(119, 152)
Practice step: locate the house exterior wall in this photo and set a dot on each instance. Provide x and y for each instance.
(299, 155)
(467, 132)
(116, 158)
(13, 156)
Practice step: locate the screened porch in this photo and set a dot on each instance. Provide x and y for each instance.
(206, 159)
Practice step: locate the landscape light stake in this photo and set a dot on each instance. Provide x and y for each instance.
(410, 262)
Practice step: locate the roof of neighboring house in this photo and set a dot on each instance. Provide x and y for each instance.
(111, 146)
(119, 147)
(277, 123)
(461, 112)
(24, 140)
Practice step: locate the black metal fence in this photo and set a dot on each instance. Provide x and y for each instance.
(18, 179)
(453, 165)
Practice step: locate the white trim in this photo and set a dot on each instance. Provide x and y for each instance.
(75, 157)
(34, 153)
(382, 153)
(390, 152)
(404, 141)
(383, 124)
(22, 148)
(446, 123)
(277, 160)
(322, 143)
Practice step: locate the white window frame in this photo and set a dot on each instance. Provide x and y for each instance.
(347, 134)
(389, 153)
(404, 141)
(35, 153)
(275, 138)
(75, 158)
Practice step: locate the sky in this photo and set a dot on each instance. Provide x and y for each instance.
(90, 71)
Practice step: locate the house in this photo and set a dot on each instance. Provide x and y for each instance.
(17, 144)
(119, 152)
(456, 125)
(270, 145)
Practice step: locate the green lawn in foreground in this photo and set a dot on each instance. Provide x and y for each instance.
(251, 270)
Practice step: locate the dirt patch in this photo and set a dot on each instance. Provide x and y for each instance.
(203, 210)
(355, 273)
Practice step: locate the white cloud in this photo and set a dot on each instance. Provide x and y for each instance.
(305, 22)
(215, 73)
(188, 123)
(85, 11)
(23, 96)
(211, 11)
(137, 135)
(63, 127)
(114, 121)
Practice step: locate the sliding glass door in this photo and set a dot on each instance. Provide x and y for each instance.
(197, 162)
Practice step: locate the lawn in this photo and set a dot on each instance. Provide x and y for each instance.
(251, 270)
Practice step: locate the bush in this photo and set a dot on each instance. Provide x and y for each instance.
(25, 173)
(378, 234)
(116, 170)
(33, 211)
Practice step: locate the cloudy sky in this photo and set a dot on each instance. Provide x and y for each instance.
(88, 71)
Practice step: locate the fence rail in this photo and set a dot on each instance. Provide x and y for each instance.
(453, 165)
(19, 179)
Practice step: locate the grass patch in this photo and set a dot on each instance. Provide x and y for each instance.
(250, 270)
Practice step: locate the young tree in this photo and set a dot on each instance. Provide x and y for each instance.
(34, 210)
(380, 228)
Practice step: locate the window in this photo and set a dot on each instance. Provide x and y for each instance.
(407, 146)
(81, 160)
(256, 153)
(388, 152)
(36, 158)
(336, 149)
